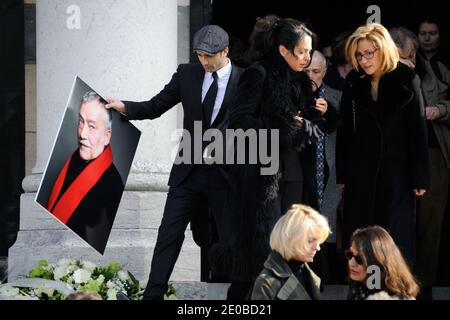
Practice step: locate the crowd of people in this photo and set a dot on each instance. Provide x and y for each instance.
(364, 153)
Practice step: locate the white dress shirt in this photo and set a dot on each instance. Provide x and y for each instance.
(223, 75)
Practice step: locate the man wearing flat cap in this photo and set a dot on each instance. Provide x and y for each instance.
(206, 91)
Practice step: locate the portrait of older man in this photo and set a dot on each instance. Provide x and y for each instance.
(88, 188)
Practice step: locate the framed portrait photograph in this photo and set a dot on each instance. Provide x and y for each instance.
(88, 166)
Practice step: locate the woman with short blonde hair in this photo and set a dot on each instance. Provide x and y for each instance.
(294, 240)
(290, 235)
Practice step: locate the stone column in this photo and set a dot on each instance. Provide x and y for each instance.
(125, 49)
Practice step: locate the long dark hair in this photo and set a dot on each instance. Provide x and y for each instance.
(271, 31)
(377, 247)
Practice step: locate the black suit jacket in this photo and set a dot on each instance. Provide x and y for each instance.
(185, 87)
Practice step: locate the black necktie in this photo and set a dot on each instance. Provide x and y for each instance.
(209, 101)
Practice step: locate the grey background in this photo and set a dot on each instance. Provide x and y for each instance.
(124, 141)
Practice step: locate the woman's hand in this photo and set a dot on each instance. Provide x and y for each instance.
(408, 62)
(298, 120)
(419, 192)
(321, 105)
(432, 113)
(341, 187)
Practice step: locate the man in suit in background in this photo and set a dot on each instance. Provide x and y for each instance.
(206, 90)
(88, 189)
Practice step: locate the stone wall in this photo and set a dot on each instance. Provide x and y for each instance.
(126, 49)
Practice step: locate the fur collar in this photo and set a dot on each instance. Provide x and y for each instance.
(276, 101)
(285, 91)
(394, 91)
(383, 295)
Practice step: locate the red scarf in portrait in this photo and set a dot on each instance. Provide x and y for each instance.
(82, 184)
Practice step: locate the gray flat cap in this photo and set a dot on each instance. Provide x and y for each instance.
(210, 39)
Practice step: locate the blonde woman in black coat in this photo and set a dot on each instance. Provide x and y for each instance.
(382, 152)
(295, 240)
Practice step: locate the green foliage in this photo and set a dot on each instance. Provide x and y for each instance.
(42, 270)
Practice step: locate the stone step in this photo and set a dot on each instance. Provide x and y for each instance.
(217, 291)
(188, 290)
(441, 293)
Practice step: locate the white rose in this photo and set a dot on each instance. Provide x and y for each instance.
(81, 276)
(64, 262)
(110, 284)
(123, 275)
(60, 272)
(89, 266)
(111, 294)
(71, 268)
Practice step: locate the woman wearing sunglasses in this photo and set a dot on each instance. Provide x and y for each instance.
(377, 269)
(295, 240)
(382, 157)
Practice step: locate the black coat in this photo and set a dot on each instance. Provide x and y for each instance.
(92, 220)
(185, 87)
(382, 154)
(268, 97)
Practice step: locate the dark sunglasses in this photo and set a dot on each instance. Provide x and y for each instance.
(349, 254)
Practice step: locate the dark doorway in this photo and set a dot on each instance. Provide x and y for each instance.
(12, 122)
(327, 18)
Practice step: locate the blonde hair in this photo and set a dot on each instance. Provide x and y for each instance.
(381, 39)
(290, 234)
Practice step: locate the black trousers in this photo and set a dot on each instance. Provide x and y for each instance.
(203, 189)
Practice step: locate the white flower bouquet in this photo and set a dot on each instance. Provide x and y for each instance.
(55, 281)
